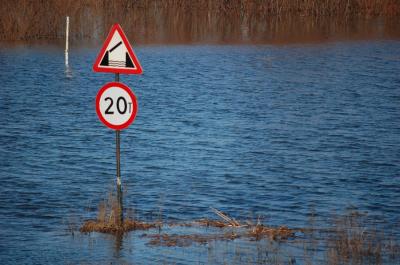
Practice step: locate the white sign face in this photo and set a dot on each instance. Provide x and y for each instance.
(116, 105)
(116, 55)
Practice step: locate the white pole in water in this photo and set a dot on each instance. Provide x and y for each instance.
(66, 41)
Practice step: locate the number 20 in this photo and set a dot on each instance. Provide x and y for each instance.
(121, 111)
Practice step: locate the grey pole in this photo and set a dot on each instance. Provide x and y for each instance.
(119, 188)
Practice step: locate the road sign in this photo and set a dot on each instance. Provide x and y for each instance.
(116, 105)
(116, 55)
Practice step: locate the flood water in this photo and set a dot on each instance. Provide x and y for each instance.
(271, 131)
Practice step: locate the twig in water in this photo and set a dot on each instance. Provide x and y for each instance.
(231, 221)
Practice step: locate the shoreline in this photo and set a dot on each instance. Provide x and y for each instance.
(94, 44)
(198, 21)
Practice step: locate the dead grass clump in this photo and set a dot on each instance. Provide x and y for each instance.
(354, 241)
(238, 231)
(108, 220)
(259, 232)
(211, 223)
(280, 233)
(112, 228)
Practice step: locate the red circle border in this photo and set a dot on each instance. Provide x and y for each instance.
(134, 105)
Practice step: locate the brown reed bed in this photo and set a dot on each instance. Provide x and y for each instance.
(350, 238)
(169, 21)
(353, 241)
(107, 220)
(254, 233)
(112, 228)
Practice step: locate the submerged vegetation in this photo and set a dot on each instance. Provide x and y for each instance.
(107, 220)
(353, 242)
(351, 238)
(149, 21)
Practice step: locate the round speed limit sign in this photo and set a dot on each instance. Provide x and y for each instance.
(116, 105)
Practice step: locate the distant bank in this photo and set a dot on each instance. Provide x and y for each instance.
(201, 21)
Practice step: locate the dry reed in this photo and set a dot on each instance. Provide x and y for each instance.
(184, 21)
(352, 242)
(351, 239)
(107, 220)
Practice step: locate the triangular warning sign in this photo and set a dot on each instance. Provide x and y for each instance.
(116, 55)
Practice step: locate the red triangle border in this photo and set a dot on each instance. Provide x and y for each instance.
(97, 68)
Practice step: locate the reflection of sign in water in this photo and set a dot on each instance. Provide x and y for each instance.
(116, 55)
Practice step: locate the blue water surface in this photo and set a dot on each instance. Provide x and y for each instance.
(270, 131)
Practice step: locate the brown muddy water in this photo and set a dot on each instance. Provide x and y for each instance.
(281, 135)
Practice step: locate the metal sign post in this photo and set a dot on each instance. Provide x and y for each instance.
(118, 158)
